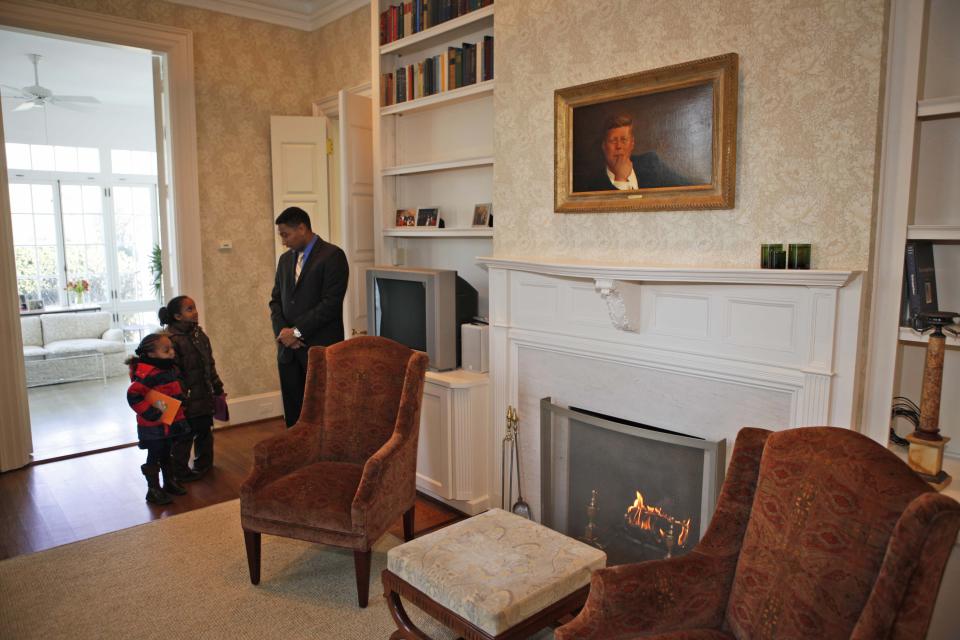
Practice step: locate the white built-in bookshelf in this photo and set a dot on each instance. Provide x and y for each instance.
(920, 200)
(433, 150)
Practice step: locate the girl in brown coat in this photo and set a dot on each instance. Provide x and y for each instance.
(201, 385)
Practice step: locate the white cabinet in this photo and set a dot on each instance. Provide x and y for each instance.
(919, 200)
(454, 436)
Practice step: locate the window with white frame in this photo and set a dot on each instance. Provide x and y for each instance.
(73, 221)
(35, 242)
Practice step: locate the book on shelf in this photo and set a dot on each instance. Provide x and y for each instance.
(408, 18)
(454, 68)
(486, 58)
(920, 279)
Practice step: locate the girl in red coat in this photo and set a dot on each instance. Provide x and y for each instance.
(153, 368)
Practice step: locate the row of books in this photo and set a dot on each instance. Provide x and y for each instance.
(456, 67)
(407, 18)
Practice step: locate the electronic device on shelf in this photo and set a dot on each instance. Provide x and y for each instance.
(422, 309)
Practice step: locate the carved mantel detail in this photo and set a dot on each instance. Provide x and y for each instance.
(616, 306)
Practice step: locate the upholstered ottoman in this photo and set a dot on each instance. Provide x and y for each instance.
(495, 575)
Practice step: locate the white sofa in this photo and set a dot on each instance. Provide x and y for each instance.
(49, 340)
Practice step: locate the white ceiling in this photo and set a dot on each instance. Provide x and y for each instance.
(116, 76)
(306, 15)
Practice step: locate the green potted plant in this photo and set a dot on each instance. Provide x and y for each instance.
(156, 270)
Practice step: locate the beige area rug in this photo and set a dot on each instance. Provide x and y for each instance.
(186, 577)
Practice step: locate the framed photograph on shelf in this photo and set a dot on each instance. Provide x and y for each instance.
(427, 217)
(481, 214)
(663, 139)
(406, 217)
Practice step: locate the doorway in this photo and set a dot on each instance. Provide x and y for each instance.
(84, 183)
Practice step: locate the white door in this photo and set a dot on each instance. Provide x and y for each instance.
(356, 203)
(298, 149)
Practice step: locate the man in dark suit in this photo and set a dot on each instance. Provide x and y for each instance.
(625, 171)
(306, 306)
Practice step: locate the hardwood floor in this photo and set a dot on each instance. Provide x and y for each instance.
(46, 505)
(107, 419)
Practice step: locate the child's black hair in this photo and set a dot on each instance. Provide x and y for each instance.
(148, 344)
(169, 313)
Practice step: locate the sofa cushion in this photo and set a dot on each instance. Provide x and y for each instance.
(33, 352)
(66, 347)
(69, 326)
(30, 331)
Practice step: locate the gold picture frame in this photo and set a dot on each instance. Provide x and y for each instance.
(682, 122)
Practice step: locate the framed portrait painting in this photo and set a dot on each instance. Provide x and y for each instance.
(664, 139)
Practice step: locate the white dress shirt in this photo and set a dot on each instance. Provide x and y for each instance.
(629, 184)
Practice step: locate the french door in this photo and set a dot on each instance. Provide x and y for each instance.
(101, 232)
(135, 234)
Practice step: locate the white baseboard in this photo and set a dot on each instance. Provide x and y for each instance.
(469, 507)
(259, 406)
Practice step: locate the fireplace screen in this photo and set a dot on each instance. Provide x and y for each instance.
(637, 492)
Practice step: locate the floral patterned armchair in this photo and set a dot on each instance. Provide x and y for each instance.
(819, 533)
(347, 470)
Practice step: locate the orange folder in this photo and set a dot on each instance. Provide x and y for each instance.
(172, 405)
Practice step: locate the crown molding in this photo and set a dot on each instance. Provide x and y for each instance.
(334, 10)
(305, 15)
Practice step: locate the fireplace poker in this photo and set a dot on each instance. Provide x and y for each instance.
(520, 507)
(505, 455)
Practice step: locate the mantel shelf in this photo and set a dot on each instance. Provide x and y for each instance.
(942, 232)
(445, 30)
(428, 167)
(932, 107)
(909, 335)
(446, 97)
(628, 272)
(413, 232)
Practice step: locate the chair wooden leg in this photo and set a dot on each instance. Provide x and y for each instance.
(408, 523)
(252, 541)
(361, 563)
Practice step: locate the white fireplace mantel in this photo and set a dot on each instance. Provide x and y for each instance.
(634, 273)
(701, 351)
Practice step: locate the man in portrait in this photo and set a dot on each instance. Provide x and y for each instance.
(625, 171)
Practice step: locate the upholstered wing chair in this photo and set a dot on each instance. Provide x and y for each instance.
(819, 533)
(347, 469)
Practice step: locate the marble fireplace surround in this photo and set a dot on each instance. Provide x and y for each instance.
(694, 350)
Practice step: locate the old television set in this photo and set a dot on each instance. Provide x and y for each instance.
(422, 309)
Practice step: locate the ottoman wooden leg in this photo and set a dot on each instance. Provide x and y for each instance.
(406, 629)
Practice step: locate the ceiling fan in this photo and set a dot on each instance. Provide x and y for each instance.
(39, 96)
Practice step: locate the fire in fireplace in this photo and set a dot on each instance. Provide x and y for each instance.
(648, 524)
(638, 492)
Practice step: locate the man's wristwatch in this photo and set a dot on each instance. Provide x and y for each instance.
(297, 334)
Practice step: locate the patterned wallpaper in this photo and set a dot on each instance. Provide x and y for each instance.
(810, 75)
(342, 53)
(246, 71)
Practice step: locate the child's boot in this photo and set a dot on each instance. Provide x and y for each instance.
(180, 460)
(170, 484)
(155, 495)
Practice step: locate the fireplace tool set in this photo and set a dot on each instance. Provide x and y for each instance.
(510, 455)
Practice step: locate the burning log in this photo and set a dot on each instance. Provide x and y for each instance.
(653, 523)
